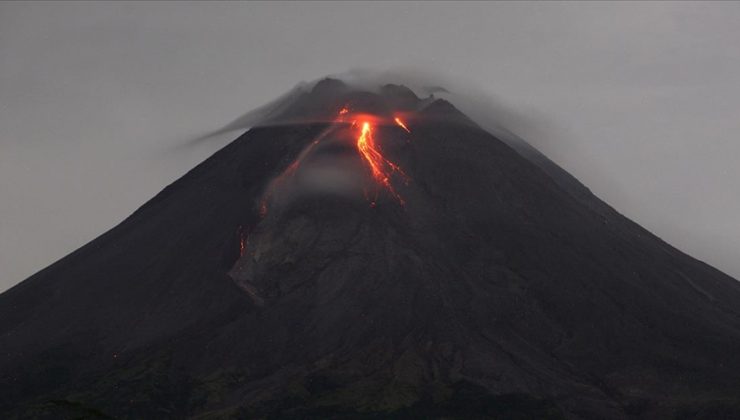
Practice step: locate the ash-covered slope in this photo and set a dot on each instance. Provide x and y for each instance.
(347, 264)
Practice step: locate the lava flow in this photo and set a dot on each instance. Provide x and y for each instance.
(401, 124)
(381, 168)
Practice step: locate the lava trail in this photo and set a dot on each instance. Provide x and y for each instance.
(381, 168)
(401, 124)
(362, 126)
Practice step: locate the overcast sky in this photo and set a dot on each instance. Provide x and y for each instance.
(640, 101)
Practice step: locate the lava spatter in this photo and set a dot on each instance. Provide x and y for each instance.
(401, 124)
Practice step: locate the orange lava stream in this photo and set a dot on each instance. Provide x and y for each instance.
(380, 167)
(401, 124)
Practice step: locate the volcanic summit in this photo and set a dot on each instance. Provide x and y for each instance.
(367, 253)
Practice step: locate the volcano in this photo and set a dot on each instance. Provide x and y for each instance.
(367, 253)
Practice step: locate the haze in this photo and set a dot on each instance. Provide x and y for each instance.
(638, 100)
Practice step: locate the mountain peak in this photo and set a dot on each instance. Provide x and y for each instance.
(329, 86)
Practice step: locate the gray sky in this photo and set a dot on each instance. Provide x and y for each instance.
(640, 101)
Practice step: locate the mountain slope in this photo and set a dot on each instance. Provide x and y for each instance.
(279, 278)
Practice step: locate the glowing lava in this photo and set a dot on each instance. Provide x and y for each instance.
(381, 168)
(401, 124)
(242, 241)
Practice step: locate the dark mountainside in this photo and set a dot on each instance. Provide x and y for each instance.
(263, 285)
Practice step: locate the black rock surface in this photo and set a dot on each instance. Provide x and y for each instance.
(494, 292)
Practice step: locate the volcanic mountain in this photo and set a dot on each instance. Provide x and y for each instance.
(366, 253)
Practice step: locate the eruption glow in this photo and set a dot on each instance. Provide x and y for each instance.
(401, 124)
(381, 168)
